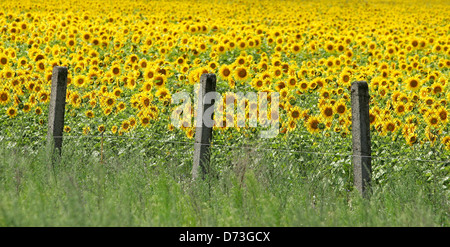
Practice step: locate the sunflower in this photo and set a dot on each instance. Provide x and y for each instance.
(26, 107)
(159, 81)
(240, 61)
(313, 84)
(67, 129)
(291, 126)
(400, 108)
(30, 85)
(304, 85)
(340, 107)
(432, 119)
(423, 92)
(280, 85)
(144, 120)
(349, 54)
(258, 84)
(44, 96)
(3, 59)
(325, 94)
(446, 142)
(115, 70)
(231, 45)
(241, 73)
(329, 47)
(147, 86)
(330, 62)
(413, 84)
(117, 92)
(39, 56)
(40, 66)
(11, 112)
(89, 114)
(8, 73)
(213, 65)
(108, 101)
(93, 74)
(345, 78)
(220, 48)
(295, 48)
(162, 93)
(312, 124)
(132, 121)
(409, 128)
(131, 84)
(4, 97)
(22, 61)
(292, 82)
(242, 44)
(437, 48)
(437, 88)
(443, 114)
(430, 134)
(295, 113)
(133, 58)
(389, 126)
(284, 93)
(38, 110)
(161, 71)
(103, 89)
(114, 129)
(340, 47)
(447, 62)
(429, 101)
(125, 126)
(263, 66)
(143, 63)
(101, 128)
(75, 99)
(277, 72)
(121, 106)
(327, 111)
(95, 41)
(145, 100)
(411, 139)
(149, 73)
(92, 103)
(80, 81)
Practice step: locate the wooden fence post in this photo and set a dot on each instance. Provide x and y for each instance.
(362, 168)
(57, 108)
(203, 132)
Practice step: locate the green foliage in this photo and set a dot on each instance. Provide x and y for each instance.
(246, 187)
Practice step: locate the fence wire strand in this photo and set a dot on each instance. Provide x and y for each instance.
(241, 147)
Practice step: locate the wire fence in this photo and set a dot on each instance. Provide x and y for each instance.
(259, 148)
(271, 160)
(420, 119)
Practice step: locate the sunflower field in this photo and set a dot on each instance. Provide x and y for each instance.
(127, 58)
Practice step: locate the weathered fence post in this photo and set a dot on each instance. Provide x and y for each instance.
(57, 108)
(203, 131)
(362, 168)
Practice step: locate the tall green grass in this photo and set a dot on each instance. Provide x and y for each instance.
(249, 189)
